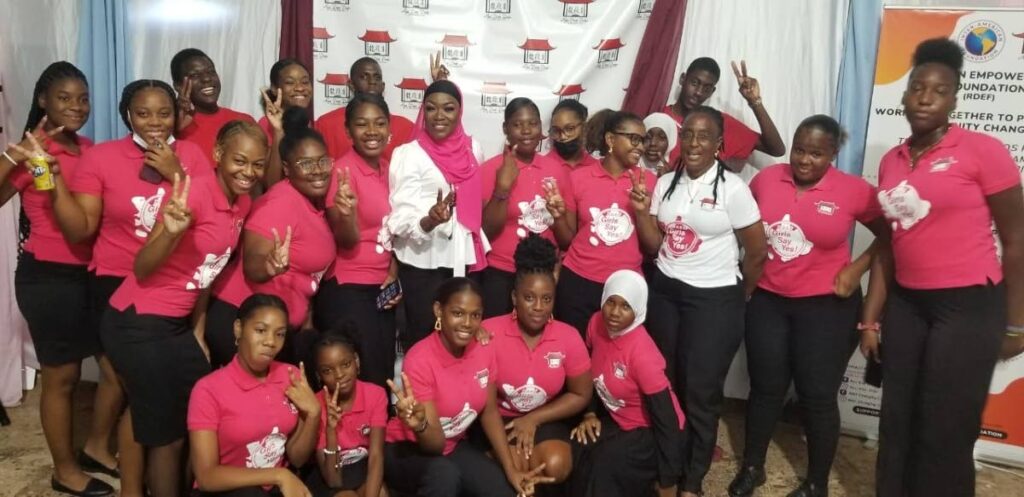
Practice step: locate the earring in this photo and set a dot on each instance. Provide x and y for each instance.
(515, 315)
(236, 342)
(611, 148)
(717, 152)
(437, 324)
(551, 318)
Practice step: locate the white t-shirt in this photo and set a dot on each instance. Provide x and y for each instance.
(700, 247)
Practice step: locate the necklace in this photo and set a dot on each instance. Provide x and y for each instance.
(915, 156)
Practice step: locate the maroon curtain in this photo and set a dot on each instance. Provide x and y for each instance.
(654, 72)
(297, 32)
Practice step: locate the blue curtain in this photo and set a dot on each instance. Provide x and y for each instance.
(104, 57)
(857, 80)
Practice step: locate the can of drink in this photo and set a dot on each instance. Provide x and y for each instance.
(41, 173)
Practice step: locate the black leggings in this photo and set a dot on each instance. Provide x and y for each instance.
(465, 472)
(337, 303)
(418, 289)
(577, 299)
(497, 286)
(806, 341)
(620, 463)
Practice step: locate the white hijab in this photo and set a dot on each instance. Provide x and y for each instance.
(632, 287)
(669, 126)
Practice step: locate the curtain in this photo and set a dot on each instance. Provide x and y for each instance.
(297, 34)
(654, 72)
(104, 55)
(856, 80)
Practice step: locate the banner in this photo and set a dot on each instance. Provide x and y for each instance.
(991, 101)
(496, 50)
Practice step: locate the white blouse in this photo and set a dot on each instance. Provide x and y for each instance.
(414, 181)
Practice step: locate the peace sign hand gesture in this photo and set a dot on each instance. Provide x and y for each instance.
(333, 409)
(553, 198)
(345, 199)
(441, 212)
(749, 87)
(177, 216)
(186, 109)
(411, 412)
(300, 394)
(438, 71)
(525, 482)
(638, 195)
(30, 147)
(277, 259)
(273, 109)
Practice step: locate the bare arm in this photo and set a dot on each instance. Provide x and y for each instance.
(1006, 207)
(211, 476)
(755, 252)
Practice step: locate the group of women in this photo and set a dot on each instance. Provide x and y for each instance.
(241, 284)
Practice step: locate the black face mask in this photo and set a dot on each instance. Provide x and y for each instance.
(566, 150)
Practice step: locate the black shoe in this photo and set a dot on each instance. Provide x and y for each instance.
(95, 488)
(749, 478)
(90, 465)
(808, 489)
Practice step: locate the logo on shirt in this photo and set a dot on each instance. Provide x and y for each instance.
(787, 239)
(619, 370)
(352, 456)
(942, 164)
(208, 270)
(533, 217)
(609, 401)
(903, 205)
(481, 377)
(456, 425)
(524, 398)
(146, 211)
(554, 359)
(384, 237)
(364, 430)
(610, 226)
(266, 453)
(826, 208)
(680, 238)
(291, 406)
(315, 278)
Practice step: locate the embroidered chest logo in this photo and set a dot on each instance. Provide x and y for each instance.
(315, 278)
(554, 359)
(942, 164)
(481, 377)
(533, 217)
(619, 370)
(208, 270)
(458, 423)
(291, 407)
(384, 237)
(524, 398)
(903, 205)
(610, 226)
(609, 401)
(826, 208)
(352, 456)
(364, 430)
(787, 239)
(146, 211)
(267, 452)
(680, 238)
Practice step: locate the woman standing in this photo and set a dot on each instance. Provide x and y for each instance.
(514, 190)
(432, 238)
(802, 319)
(632, 446)
(566, 132)
(950, 303)
(699, 217)
(290, 87)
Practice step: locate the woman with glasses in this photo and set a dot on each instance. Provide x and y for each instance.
(566, 133)
(287, 243)
(594, 218)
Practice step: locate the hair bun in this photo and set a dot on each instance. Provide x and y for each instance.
(294, 120)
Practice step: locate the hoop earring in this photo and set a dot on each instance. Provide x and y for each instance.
(437, 325)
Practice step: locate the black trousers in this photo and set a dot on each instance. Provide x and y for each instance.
(619, 464)
(577, 299)
(698, 330)
(466, 472)
(497, 286)
(418, 289)
(940, 348)
(337, 303)
(220, 339)
(806, 341)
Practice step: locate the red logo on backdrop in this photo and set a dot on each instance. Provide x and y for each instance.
(455, 49)
(498, 9)
(567, 92)
(494, 96)
(412, 91)
(336, 89)
(536, 53)
(416, 7)
(336, 5)
(320, 39)
(608, 52)
(643, 11)
(377, 44)
(575, 11)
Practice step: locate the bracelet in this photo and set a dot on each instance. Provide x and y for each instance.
(328, 452)
(9, 158)
(875, 327)
(421, 428)
(755, 103)
(501, 197)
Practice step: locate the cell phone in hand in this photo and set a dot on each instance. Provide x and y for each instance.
(873, 370)
(389, 292)
(149, 174)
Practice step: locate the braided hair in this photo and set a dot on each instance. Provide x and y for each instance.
(715, 117)
(53, 73)
(136, 86)
(535, 255)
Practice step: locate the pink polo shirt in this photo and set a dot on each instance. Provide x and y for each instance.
(367, 263)
(605, 239)
(588, 160)
(528, 379)
(941, 223)
(456, 385)
(332, 126)
(310, 253)
(131, 206)
(45, 241)
(369, 410)
(204, 128)
(526, 210)
(738, 140)
(809, 232)
(252, 416)
(201, 254)
(625, 369)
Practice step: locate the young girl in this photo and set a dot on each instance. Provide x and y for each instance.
(290, 87)
(251, 417)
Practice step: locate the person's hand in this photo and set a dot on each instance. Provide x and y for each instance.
(749, 87)
(290, 485)
(525, 482)
(277, 258)
(507, 174)
(589, 427)
(1012, 347)
(33, 143)
(847, 281)
(34, 149)
(333, 409)
(300, 394)
(272, 109)
(412, 413)
(161, 157)
(669, 491)
(345, 199)
(177, 216)
(638, 195)
(438, 71)
(869, 342)
(186, 109)
(392, 276)
(483, 337)
(522, 431)
(553, 200)
(440, 212)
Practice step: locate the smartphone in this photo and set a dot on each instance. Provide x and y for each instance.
(389, 292)
(149, 174)
(873, 371)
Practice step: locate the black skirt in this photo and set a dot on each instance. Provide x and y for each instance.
(54, 299)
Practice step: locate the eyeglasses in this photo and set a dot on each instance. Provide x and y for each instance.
(308, 165)
(634, 138)
(567, 131)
